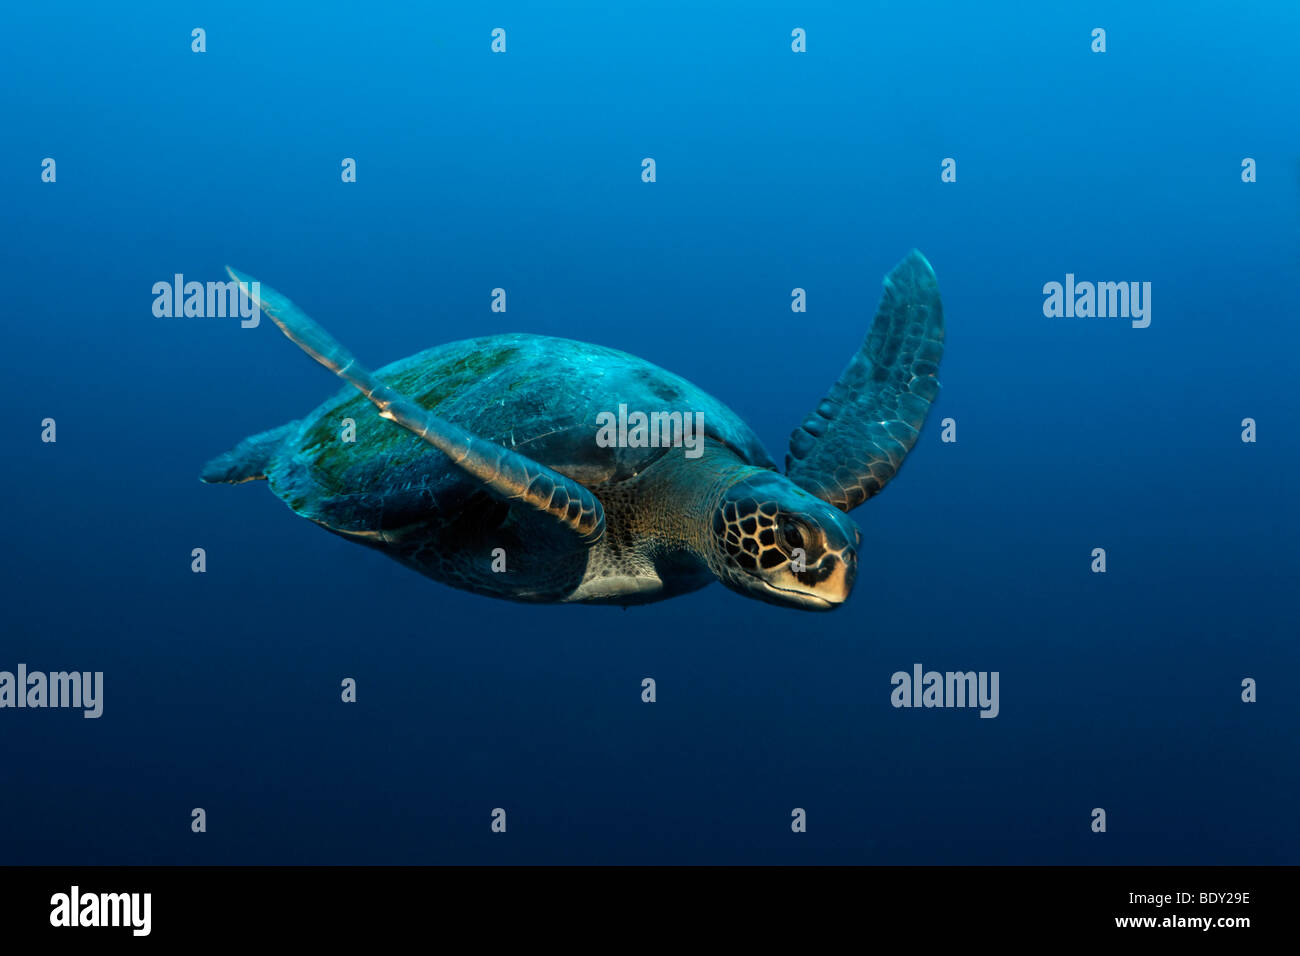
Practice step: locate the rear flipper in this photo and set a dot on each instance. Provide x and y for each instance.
(249, 460)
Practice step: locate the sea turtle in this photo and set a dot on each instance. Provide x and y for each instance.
(492, 464)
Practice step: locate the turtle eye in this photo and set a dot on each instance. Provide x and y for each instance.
(792, 534)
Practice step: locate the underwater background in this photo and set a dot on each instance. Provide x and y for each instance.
(775, 170)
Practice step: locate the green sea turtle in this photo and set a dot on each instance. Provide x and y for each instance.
(492, 464)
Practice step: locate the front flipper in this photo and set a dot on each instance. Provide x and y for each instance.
(509, 475)
(856, 439)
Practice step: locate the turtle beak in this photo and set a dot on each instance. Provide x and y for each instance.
(835, 574)
(844, 572)
(824, 586)
(831, 578)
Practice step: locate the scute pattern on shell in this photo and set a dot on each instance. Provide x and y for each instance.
(536, 394)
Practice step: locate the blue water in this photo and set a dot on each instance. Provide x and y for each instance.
(775, 170)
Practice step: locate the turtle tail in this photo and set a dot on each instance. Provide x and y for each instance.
(249, 460)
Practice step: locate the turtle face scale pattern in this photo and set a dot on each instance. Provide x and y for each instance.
(781, 545)
(480, 464)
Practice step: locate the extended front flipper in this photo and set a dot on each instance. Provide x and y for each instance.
(507, 474)
(856, 439)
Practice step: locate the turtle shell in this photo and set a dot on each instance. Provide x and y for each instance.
(538, 395)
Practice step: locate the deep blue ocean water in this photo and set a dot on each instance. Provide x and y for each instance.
(775, 170)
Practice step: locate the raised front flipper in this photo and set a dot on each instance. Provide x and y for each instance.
(856, 439)
(507, 474)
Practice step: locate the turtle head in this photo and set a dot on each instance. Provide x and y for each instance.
(778, 543)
